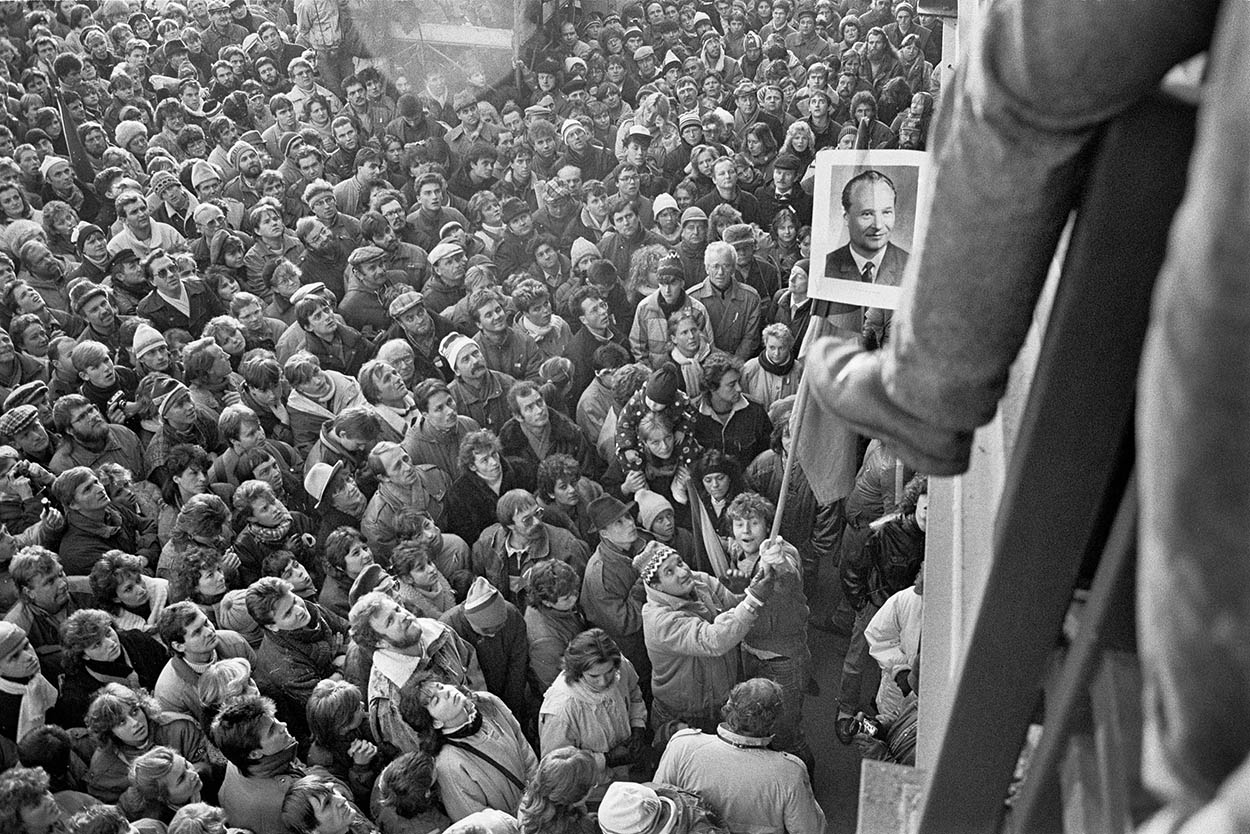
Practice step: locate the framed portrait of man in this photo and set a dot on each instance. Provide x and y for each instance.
(862, 235)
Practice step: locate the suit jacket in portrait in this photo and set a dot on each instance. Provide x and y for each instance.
(840, 265)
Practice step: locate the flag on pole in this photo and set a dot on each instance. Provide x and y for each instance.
(75, 151)
(707, 543)
(823, 444)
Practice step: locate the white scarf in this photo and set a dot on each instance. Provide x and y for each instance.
(38, 696)
(182, 303)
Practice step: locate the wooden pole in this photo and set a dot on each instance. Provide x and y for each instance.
(814, 332)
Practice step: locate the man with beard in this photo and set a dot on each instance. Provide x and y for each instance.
(319, 195)
(303, 643)
(480, 393)
(94, 524)
(880, 63)
(140, 232)
(245, 187)
(384, 229)
(353, 191)
(323, 260)
(194, 644)
(44, 272)
(127, 281)
(431, 214)
(422, 331)
(368, 285)
(718, 61)
(89, 440)
(342, 163)
(173, 302)
(445, 287)
(864, 108)
(46, 598)
(92, 245)
(21, 427)
(93, 303)
(434, 439)
(505, 350)
(401, 644)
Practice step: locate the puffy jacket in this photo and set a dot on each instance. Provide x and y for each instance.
(648, 337)
(693, 643)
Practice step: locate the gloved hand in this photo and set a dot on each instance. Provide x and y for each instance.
(619, 755)
(735, 580)
(901, 678)
(637, 740)
(764, 585)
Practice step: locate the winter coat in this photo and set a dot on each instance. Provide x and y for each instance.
(761, 791)
(490, 558)
(693, 643)
(612, 598)
(503, 658)
(887, 563)
(742, 438)
(475, 502)
(307, 415)
(109, 774)
(388, 503)
(574, 715)
(426, 445)
(893, 636)
(77, 686)
(177, 687)
(649, 337)
(489, 407)
(444, 654)
(290, 664)
(564, 438)
(550, 632)
(468, 783)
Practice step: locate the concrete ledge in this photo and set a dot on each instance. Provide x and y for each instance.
(889, 798)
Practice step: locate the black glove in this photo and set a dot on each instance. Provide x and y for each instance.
(637, 740)
(901, 678)
(621, 754)
(763, 585)
(735, 580)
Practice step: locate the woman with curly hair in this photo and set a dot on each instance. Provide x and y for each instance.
(565, 494)
(224, 679)
(699, 170)
(481, 757)
(201, 579)
(783, 233)
(596, 705)
(644, 264)
(59, 221)
(98, 653)
(406, 798)
(555, 800)
(800, 141)
(127, 723)
(133, 599)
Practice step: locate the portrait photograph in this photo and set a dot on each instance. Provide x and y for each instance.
(868, 200)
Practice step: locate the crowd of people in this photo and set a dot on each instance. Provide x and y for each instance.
(383, 449)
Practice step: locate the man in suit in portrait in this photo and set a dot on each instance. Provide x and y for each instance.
(868, 208)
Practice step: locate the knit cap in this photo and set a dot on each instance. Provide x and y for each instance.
(663, 384)
(582, 248)
(127, 131)
(484, 606)
(147, 339)
(650, 505)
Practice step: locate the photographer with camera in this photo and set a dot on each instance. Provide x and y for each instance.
(888, 563)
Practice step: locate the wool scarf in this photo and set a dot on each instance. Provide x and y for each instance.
(38, 696)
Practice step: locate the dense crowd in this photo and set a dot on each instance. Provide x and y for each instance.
(383, 449)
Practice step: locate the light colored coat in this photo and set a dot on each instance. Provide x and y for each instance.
(574, 715)
(468, 784)
(893, 637)
(693, 643)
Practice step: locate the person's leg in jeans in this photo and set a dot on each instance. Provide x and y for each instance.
(853, 665)
(791, 674)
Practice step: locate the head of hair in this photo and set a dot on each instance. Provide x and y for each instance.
(31, 562)
(301, 368)
(753, 707)
(748, 505)
(110, 571)
(223, 680)
(173, 621)
(302, 801)
(149, 772)
(551, 579)
(338, 544)
(590, 648)
(359, 625)
(427, 388)
(405, 784)
(197, 818)
(480, 442)
(916, 487)
(716, 365)
(553, 470)
(237, 728)
(867, 177)
(82, 630)
(552, 802)
(330, 710)
(512, 502)
(20, 788)
(110, 706)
